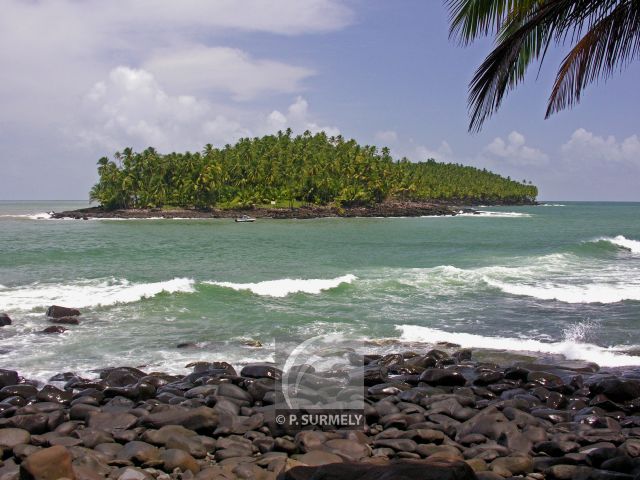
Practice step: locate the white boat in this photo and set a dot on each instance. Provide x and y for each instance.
(245, 218)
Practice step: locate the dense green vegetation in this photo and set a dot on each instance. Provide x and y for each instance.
(313, 169)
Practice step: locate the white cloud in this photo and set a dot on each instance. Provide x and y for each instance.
(131, 108)
(443, 153)
(586, 146)
(298, 119)
(199, 68)
(515, 151)
(387, 136)
(52, 51)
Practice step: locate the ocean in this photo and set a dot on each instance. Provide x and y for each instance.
(561, 278)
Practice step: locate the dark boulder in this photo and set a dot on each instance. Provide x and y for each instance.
(617, 389)
(54, 329)
(261, 370)
(65, 320)
(4, 320)
(443, 377)
(400, 470)
(8, 377)
(56, 311)
(49, 393)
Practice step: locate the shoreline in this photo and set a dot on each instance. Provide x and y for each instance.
(387, 209)
(442, 409)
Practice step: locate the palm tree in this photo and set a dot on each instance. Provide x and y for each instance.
(604, 36)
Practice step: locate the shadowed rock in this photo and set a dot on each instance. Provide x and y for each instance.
(56, 311)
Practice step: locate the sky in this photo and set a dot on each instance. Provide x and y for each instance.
(82, 79)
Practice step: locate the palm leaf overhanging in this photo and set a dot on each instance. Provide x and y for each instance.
(604, 36)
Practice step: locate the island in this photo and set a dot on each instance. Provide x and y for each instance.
(286, 176)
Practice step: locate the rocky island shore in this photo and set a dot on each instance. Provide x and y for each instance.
(435, 414)
(386, 209)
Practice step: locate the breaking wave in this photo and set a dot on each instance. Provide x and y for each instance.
(568, 347)
(87, 293)
(30, 216)
(283, 287)
(622, 242)
(488, 213)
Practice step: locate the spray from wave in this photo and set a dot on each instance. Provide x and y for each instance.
(286, 286)
(87, 293)
(568, 347)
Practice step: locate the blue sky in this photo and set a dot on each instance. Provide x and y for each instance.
(80, 80)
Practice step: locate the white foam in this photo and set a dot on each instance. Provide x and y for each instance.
(551, 205)
(606, 357)
(489, 213)
(588, 293)
(30, 216)
(622, 242)
(286, 286)
(560, 276)
(87, 293)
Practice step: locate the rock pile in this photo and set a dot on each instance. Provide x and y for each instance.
(428, 416)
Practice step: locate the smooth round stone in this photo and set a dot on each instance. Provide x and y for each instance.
(173, 458)
(10, 437)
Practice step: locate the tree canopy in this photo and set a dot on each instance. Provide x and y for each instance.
(311, 169)
(604, 36)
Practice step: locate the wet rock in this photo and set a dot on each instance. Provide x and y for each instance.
(56, 311)
(65, 320)
(34, 424)
(404, 469)
(54, 329)
(49, 393)
(617, 389)
(4, 320)
(261, 370)
(122, 377)
(25, 391)
(48, 464)
(8, 377)
(444, 377)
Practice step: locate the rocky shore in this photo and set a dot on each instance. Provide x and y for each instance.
(429, 415)
(387, 209)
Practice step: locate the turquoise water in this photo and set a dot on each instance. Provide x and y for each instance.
(563, 279)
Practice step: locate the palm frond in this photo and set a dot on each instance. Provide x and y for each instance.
(524, 30)
(471, 19)
(523, 38)
(610, 44)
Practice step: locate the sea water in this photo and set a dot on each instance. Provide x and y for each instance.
(561, 278)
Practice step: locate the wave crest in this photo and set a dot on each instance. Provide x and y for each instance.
(87, 293)
(622, 242)
(283, 287)
(569, 348)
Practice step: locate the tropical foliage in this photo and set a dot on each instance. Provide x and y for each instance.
(311, 169)
(604, 36)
